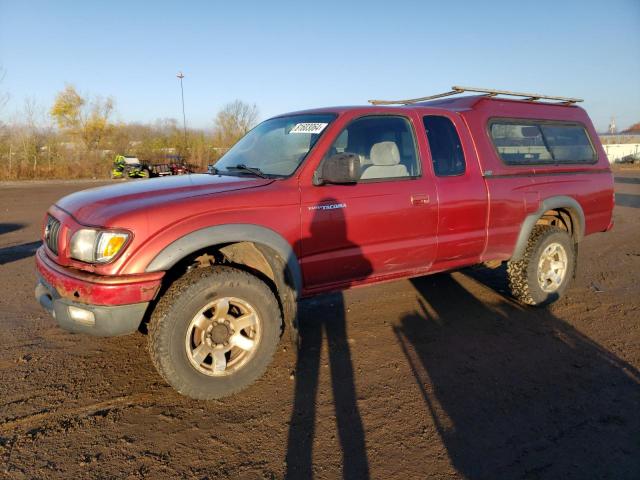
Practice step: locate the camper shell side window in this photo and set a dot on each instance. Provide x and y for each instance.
(541, 142)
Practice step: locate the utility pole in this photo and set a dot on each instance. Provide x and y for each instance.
(180, 75)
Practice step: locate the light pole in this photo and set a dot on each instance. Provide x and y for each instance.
(180, 75)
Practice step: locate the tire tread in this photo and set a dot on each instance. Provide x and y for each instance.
(518, 271)
(180, 292)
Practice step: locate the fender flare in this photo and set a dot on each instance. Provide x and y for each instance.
(561, 201)
(229, 233)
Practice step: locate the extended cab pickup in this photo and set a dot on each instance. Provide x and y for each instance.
(323, 200)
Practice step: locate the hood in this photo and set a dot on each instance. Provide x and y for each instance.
(99, 206)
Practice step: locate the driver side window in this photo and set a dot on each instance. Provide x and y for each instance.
(385, 146)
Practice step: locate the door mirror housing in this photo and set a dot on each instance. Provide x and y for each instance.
(341, 168)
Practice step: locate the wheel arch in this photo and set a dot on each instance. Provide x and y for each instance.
(565, 206)
(260, 250)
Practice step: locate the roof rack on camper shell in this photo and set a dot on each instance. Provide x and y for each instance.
(455, 90)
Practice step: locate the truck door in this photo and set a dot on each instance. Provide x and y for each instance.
(462, 193)
(381, 226)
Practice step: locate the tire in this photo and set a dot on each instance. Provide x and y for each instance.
(176, 343)
(527, 277)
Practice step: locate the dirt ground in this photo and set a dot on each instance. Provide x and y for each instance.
(437, 377)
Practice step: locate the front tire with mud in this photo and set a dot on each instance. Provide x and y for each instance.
(543, 274)
(214, 332)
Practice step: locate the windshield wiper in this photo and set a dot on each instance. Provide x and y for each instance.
(256, 171)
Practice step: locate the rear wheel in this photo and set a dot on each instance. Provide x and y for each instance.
(546, 268)
(214, 332)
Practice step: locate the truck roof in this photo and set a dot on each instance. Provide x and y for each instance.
(459, 104)
(453, 101)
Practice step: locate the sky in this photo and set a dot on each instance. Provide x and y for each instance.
(291, 55)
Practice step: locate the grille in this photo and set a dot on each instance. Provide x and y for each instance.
(51, 232)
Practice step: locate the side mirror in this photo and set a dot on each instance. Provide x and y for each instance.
(340, 168)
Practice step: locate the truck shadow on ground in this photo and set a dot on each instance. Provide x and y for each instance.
(516, 392)
(627, 180)
(627, 200)
(18, 252)
(10, 227)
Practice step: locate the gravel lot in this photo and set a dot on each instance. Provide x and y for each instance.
(439, 377)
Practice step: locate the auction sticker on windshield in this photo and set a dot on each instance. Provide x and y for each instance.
(308, 127)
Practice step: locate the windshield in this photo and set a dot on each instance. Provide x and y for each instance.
(275, 147)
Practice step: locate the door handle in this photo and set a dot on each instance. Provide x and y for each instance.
(419, 199)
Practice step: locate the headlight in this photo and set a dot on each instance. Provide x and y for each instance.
(95, 246)
(83, 245)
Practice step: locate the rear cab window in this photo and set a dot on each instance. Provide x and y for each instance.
(540, 142)
(444, 143)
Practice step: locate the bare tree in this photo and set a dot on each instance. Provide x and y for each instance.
(6, 150)
(4, 96)
(32, 134)
(233, 122)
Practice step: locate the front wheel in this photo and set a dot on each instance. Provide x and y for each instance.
(543, 274)
(214, 332)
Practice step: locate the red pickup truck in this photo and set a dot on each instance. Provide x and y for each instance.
(319, 200)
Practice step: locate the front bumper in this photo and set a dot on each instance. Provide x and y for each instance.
(85, 287)
(94, 304)
(98, 320)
